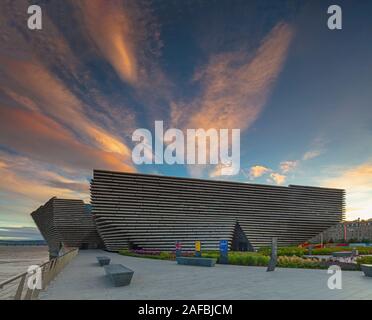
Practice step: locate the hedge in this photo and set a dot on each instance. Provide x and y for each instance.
(299, 252)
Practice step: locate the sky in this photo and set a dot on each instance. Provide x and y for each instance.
(72, 94)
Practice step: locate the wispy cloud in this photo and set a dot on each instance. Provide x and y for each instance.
(30, 179)
(127, 35)
(112, 30)
(52, 98)
(288, 166)
(317, 148)
(236, 85)
(57, 120)
(311, 154)
(38, 137)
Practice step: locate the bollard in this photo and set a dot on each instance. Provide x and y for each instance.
(178, 249)
(274, 255)
(224, 251)
(310, 250)
(197, 249)
(355, 253)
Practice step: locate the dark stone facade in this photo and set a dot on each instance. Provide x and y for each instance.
(66, 223)
(153, 212)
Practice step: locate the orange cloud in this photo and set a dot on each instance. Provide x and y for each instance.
(278, 178)
(50, 52)
(358, 184)
(110, 28)
(235, 86)
(29, 180)
(51, 96)
(42, 138)
(31, 188)
(217, 171)
(258, 171)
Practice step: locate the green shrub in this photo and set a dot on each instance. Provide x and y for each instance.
(330, 250)
(297, 262)
(291, 260)
(248, 259)
(364, 260)
(364, 250)
(210, 254)
(284, 251)
(299, 252)
(160, 256)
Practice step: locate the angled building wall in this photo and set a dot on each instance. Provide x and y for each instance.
(148, 211)
(44, 219)
(66, 222)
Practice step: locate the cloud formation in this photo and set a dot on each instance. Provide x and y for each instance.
(20, 233)
(257, 171)
(44, 139)
(112, 30)
(277, 178)
(38, 89)
(22, 176)
(53, 131)
(288, 166)
(357, 181)
(236, 85)
(70, 97)
(311, 154)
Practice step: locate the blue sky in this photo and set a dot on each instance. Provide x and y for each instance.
(72, 94)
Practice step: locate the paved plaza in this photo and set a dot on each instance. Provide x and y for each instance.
(157, 279)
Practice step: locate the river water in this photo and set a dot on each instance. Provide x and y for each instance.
(16, 259)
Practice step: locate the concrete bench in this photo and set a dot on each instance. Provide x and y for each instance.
(196, 261)
(118, 274)
(342, 254)
(367, 269)
(103, 261)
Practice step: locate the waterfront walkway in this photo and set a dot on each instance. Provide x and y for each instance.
(156, 279)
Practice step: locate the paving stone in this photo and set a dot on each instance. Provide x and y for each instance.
(157, 279)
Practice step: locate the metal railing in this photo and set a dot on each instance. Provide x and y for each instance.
(16, 288)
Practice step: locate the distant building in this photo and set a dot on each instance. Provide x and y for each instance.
(347, 231)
